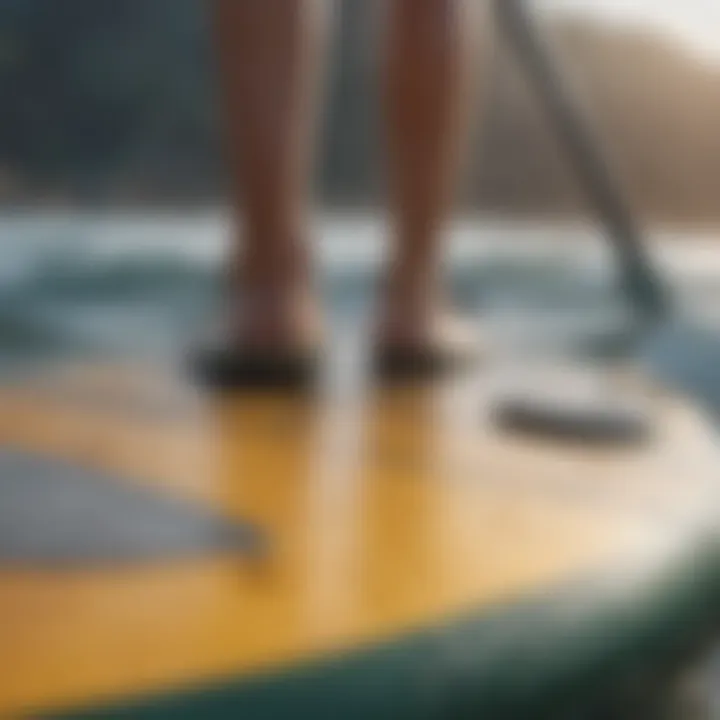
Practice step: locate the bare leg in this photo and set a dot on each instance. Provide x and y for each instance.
(428, 99)
(269, 54)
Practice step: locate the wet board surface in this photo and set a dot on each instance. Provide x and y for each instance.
(394, 516)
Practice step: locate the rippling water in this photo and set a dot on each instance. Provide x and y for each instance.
(77, 284)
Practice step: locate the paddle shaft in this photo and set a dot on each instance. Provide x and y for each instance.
(640, 280)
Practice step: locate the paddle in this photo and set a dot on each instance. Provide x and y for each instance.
(640, 280)
(677, 351)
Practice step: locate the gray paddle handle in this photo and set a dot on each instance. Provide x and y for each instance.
(640, 280)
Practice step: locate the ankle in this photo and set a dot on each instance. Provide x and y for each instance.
(273, 258)
(271, 316)
(415, 293)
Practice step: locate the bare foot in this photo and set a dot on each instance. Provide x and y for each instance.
(270, 337)
(272, 308)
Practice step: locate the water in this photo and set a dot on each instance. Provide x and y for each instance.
(81, 284)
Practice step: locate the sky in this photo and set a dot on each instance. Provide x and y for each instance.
(696, 22)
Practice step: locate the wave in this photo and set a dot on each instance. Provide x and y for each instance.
(97, 279)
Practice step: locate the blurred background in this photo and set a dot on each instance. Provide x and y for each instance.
(112, 181)
(109, 104)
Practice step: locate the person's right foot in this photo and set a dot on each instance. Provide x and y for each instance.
(270, 339)
(419, 339)
(275, 322)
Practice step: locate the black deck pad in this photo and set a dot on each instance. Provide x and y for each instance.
(588, 424)
(225, 370)
(56, 515)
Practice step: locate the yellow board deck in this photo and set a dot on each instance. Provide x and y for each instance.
(388, 511)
